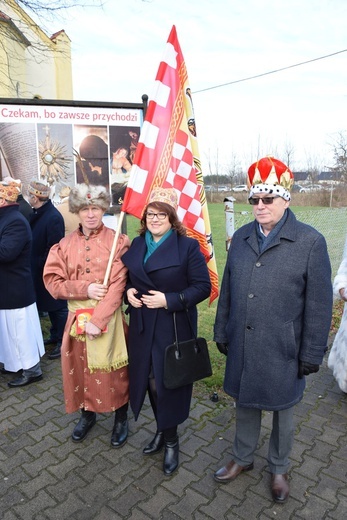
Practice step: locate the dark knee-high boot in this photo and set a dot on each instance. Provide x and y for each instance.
(171, 451)
(120, 428)
(86, 422)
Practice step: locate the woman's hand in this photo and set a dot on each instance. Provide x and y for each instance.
(96, 291)
(154, 300)
(343, 293)
(131, 295)
(92, 331)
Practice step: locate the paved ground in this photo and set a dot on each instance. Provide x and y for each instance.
(43, 475)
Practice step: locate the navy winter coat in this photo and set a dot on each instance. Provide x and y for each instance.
(176, 266)
(16, 283)
(48, 228)
(274, 309)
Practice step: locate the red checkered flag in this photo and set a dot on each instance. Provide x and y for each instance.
(167, 154)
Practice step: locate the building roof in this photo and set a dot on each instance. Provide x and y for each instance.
(14, 29)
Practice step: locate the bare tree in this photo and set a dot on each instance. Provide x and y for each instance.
(288, 154)
(313, 168)
(339, 145)
(233, 170)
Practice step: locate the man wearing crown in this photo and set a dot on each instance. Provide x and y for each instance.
(272, 322)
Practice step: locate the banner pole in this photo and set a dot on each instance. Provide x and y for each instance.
(114, 245)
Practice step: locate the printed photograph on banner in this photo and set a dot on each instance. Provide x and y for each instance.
(91, 155)
(123, 144)
(55, 154)
(18, 152)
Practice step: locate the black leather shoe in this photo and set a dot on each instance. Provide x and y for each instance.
(156, 444)
(119, 433)
(230, 472)
(86, 422)
(170, 457)
(56, 353)
(50, 341)
(24, 380)
(279, 487)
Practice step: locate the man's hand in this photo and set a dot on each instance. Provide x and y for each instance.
(96, 291)
(223, 348)
(307, 368)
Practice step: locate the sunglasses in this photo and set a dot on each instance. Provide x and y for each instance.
(265, 200)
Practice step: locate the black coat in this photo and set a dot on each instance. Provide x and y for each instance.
(24, 207)
(48, 228)
(17, 288)
(176, 266)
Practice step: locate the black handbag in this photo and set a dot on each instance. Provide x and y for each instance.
(187, 361)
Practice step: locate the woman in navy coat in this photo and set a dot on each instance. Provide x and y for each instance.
(163, 265)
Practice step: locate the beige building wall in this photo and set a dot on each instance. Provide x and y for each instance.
(31, 63)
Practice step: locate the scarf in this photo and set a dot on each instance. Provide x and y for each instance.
(265, 241)
(107, 352)
(152, 245)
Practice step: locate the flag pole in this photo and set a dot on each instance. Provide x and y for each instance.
(114, 245)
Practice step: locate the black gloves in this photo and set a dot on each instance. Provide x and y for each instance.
(223, 348)
(306, 368)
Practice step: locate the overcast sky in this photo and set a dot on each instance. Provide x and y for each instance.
(117, 51)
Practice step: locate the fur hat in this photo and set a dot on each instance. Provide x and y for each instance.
(166, 195)
(9, 191)
(269, 175)
(40, 189)
(82, 195)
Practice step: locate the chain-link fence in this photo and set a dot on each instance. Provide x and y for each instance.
(331, 222)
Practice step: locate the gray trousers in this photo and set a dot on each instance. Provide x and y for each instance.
(248, 424)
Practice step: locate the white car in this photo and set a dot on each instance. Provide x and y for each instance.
(240, 187)
(311, 187)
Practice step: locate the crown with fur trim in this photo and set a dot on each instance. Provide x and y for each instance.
(268, 176)
(9, 191)
(166, 195)
(83, 195)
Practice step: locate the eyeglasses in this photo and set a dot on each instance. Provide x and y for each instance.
(160, 216)
(265, 200)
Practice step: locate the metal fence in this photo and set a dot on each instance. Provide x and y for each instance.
(331, 222)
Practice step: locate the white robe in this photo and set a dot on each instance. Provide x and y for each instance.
(21, 342)
(337, 360)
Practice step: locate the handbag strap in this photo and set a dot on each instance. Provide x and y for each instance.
(175, 329)
(188, 317)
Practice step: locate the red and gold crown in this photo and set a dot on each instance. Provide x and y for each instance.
(269, 175)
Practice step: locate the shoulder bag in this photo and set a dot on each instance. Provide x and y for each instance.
(187, 361)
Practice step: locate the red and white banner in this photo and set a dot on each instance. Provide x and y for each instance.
(167, 154)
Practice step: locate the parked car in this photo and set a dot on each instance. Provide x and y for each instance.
(311, 187)
(240, 187)
(297, 188)
(223, 188)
